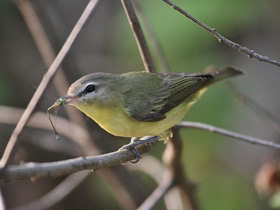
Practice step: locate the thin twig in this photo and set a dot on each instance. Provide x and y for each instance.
(157, 194)
(56, 194)
(250, 53)
(59, 168)
(45, 81)
(139, 36)
(225, 132)
(260, 110)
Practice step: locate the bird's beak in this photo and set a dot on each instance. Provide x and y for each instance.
(65, 100)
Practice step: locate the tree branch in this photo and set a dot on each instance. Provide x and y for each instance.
(250, 53)
(225, 132)
(45, 81)
(59, 168)
(139, 36)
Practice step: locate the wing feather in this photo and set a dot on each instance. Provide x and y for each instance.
(165, 92)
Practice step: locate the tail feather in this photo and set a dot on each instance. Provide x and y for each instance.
(223, 74)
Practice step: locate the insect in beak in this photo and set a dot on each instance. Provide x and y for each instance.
(59, 102)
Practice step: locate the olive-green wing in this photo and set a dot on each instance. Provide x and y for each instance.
(182, 86)
(152, 101)
(144, 100)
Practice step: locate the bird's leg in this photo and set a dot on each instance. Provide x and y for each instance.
(135, 141)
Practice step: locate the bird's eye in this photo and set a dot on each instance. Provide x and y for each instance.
(90, 88)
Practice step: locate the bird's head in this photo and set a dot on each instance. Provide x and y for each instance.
(92, 89)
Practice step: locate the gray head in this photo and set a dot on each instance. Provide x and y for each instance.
(95, 87)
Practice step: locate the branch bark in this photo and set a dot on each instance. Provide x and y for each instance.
(59, 168)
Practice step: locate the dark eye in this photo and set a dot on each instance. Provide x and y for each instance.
(90, 88)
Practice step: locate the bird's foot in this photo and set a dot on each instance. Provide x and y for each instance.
(135, 141)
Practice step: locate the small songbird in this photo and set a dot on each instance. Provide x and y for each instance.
(138, 104)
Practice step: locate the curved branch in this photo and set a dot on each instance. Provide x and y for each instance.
(222, 39)
(232, 134)
(59, 168)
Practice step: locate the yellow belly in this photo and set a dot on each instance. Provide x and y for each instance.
(118, 123)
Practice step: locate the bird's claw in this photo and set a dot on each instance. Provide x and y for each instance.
(136, 142)
(132, 147)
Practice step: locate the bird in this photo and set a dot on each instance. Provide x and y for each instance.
(138, 104)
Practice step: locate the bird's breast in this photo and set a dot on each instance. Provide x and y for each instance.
(116, 121)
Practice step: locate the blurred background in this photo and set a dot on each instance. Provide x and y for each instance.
(223, 169)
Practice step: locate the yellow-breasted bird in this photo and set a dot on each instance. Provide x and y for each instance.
(138, 104)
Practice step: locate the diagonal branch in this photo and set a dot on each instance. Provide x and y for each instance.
(234, 135)
(139, 36)
(45, 81)
(222, 39)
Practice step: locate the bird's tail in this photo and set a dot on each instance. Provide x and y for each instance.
(223, 74)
